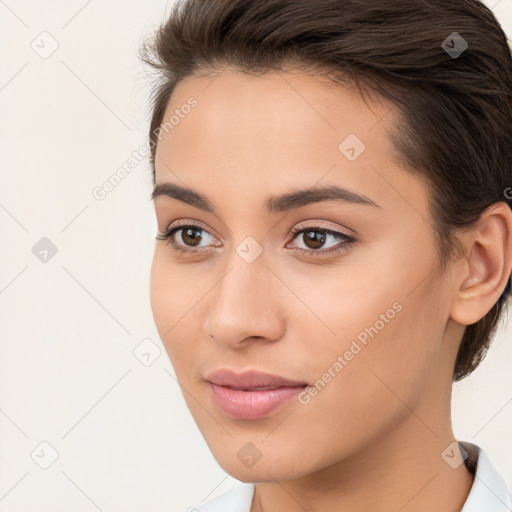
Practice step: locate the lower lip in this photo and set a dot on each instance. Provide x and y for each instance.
(251, 405)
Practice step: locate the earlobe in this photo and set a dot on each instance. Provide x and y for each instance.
(485, 271)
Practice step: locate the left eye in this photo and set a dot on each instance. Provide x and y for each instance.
(315, 237)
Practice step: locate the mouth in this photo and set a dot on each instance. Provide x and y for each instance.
(251, 395)
(260, 388)
(250, 380)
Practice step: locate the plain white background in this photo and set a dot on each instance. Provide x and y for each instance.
(123, 437)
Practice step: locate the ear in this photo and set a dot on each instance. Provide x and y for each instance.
(484, 272)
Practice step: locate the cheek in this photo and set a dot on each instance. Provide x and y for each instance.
(386, 343)
(161, 299)
(169, 301)
(178, 309)
(174, 291)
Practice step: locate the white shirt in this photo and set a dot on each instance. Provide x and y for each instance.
(488, 493)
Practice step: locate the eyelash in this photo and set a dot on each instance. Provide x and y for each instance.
(348, 241)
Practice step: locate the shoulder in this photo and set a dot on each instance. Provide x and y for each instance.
(238, 499)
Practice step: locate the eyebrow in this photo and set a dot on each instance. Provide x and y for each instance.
(273, 204)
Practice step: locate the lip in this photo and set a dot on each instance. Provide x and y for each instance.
(250, 395)
(250, 379)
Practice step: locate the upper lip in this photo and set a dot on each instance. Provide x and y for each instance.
(249, 379)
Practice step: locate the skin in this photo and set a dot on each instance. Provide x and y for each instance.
(372, 439)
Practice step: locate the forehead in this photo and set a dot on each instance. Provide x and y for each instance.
(295, 102)
(278, 131)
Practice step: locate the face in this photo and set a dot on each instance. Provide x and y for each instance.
(343, 295)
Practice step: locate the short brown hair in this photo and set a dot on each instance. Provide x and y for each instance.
(455, 126)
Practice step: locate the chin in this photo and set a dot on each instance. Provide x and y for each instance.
(279, 466)
(261, 473)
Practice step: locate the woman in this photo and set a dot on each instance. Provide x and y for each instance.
(332, 191)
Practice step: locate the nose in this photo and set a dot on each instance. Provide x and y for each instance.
(246, 305)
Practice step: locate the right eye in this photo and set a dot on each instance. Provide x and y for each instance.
(191, 236)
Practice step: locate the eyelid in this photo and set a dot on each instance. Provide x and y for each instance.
(319, 225)
(188, 223)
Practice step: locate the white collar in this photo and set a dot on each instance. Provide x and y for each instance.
(488, 493)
